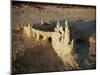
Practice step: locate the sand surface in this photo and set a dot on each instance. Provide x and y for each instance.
(30, 56)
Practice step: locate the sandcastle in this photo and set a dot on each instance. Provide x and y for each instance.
(61, 42)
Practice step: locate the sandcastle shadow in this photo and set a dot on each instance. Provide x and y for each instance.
(85, 29)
